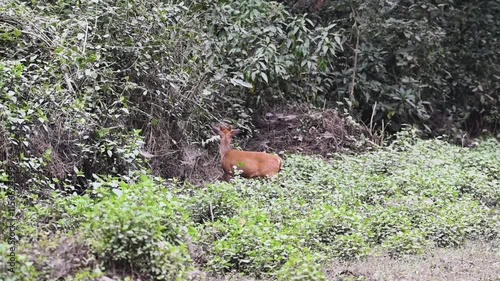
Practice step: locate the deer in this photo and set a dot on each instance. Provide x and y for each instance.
(251, 163)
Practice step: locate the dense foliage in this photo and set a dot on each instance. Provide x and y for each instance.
(409, 197)
(432, 63)
(85, 84)
(97, 98)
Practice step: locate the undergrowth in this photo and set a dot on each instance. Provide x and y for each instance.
(396, 201)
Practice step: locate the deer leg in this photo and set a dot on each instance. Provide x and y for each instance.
(227, 177)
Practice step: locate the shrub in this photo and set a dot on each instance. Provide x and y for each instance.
(404, 243)
(387, 221)
(321, 226)
(453, 223)
(141, 226)
(216, 201)
(395, 200)
(399, 198)
(349, 246)
(251, 243)
(412, 68)
(83, 99)
(301, 266)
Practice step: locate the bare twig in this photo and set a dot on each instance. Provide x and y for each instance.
(371, 118)
(69, 84)
(212, 212)
(27, 27)
(85, 38)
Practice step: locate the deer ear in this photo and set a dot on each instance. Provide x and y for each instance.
(235, 132)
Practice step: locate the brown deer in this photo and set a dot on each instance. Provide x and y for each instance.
(250, 163)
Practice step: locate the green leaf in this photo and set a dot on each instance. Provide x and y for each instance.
(240, 82)
(264, 76)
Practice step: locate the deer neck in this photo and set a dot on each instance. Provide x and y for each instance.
(225, 146)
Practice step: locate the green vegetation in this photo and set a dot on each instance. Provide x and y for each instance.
(85, 85)
(396, 201)
(141, 225)
(107, 157)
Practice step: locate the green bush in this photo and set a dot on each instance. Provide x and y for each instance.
(251, 243)
(215, 202)
(349, 246)
(404, 243)
(301, 267)
(99, 87)
(399, 199)
(141, 226)
(387, 221)
(323, 224)
(453, 223)
(421, 63)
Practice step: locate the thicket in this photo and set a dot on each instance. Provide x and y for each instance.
(86, 85)
(431, 63)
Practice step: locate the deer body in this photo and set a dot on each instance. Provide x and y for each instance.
(250, 163)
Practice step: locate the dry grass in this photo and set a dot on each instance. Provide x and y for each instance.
(474, 261)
